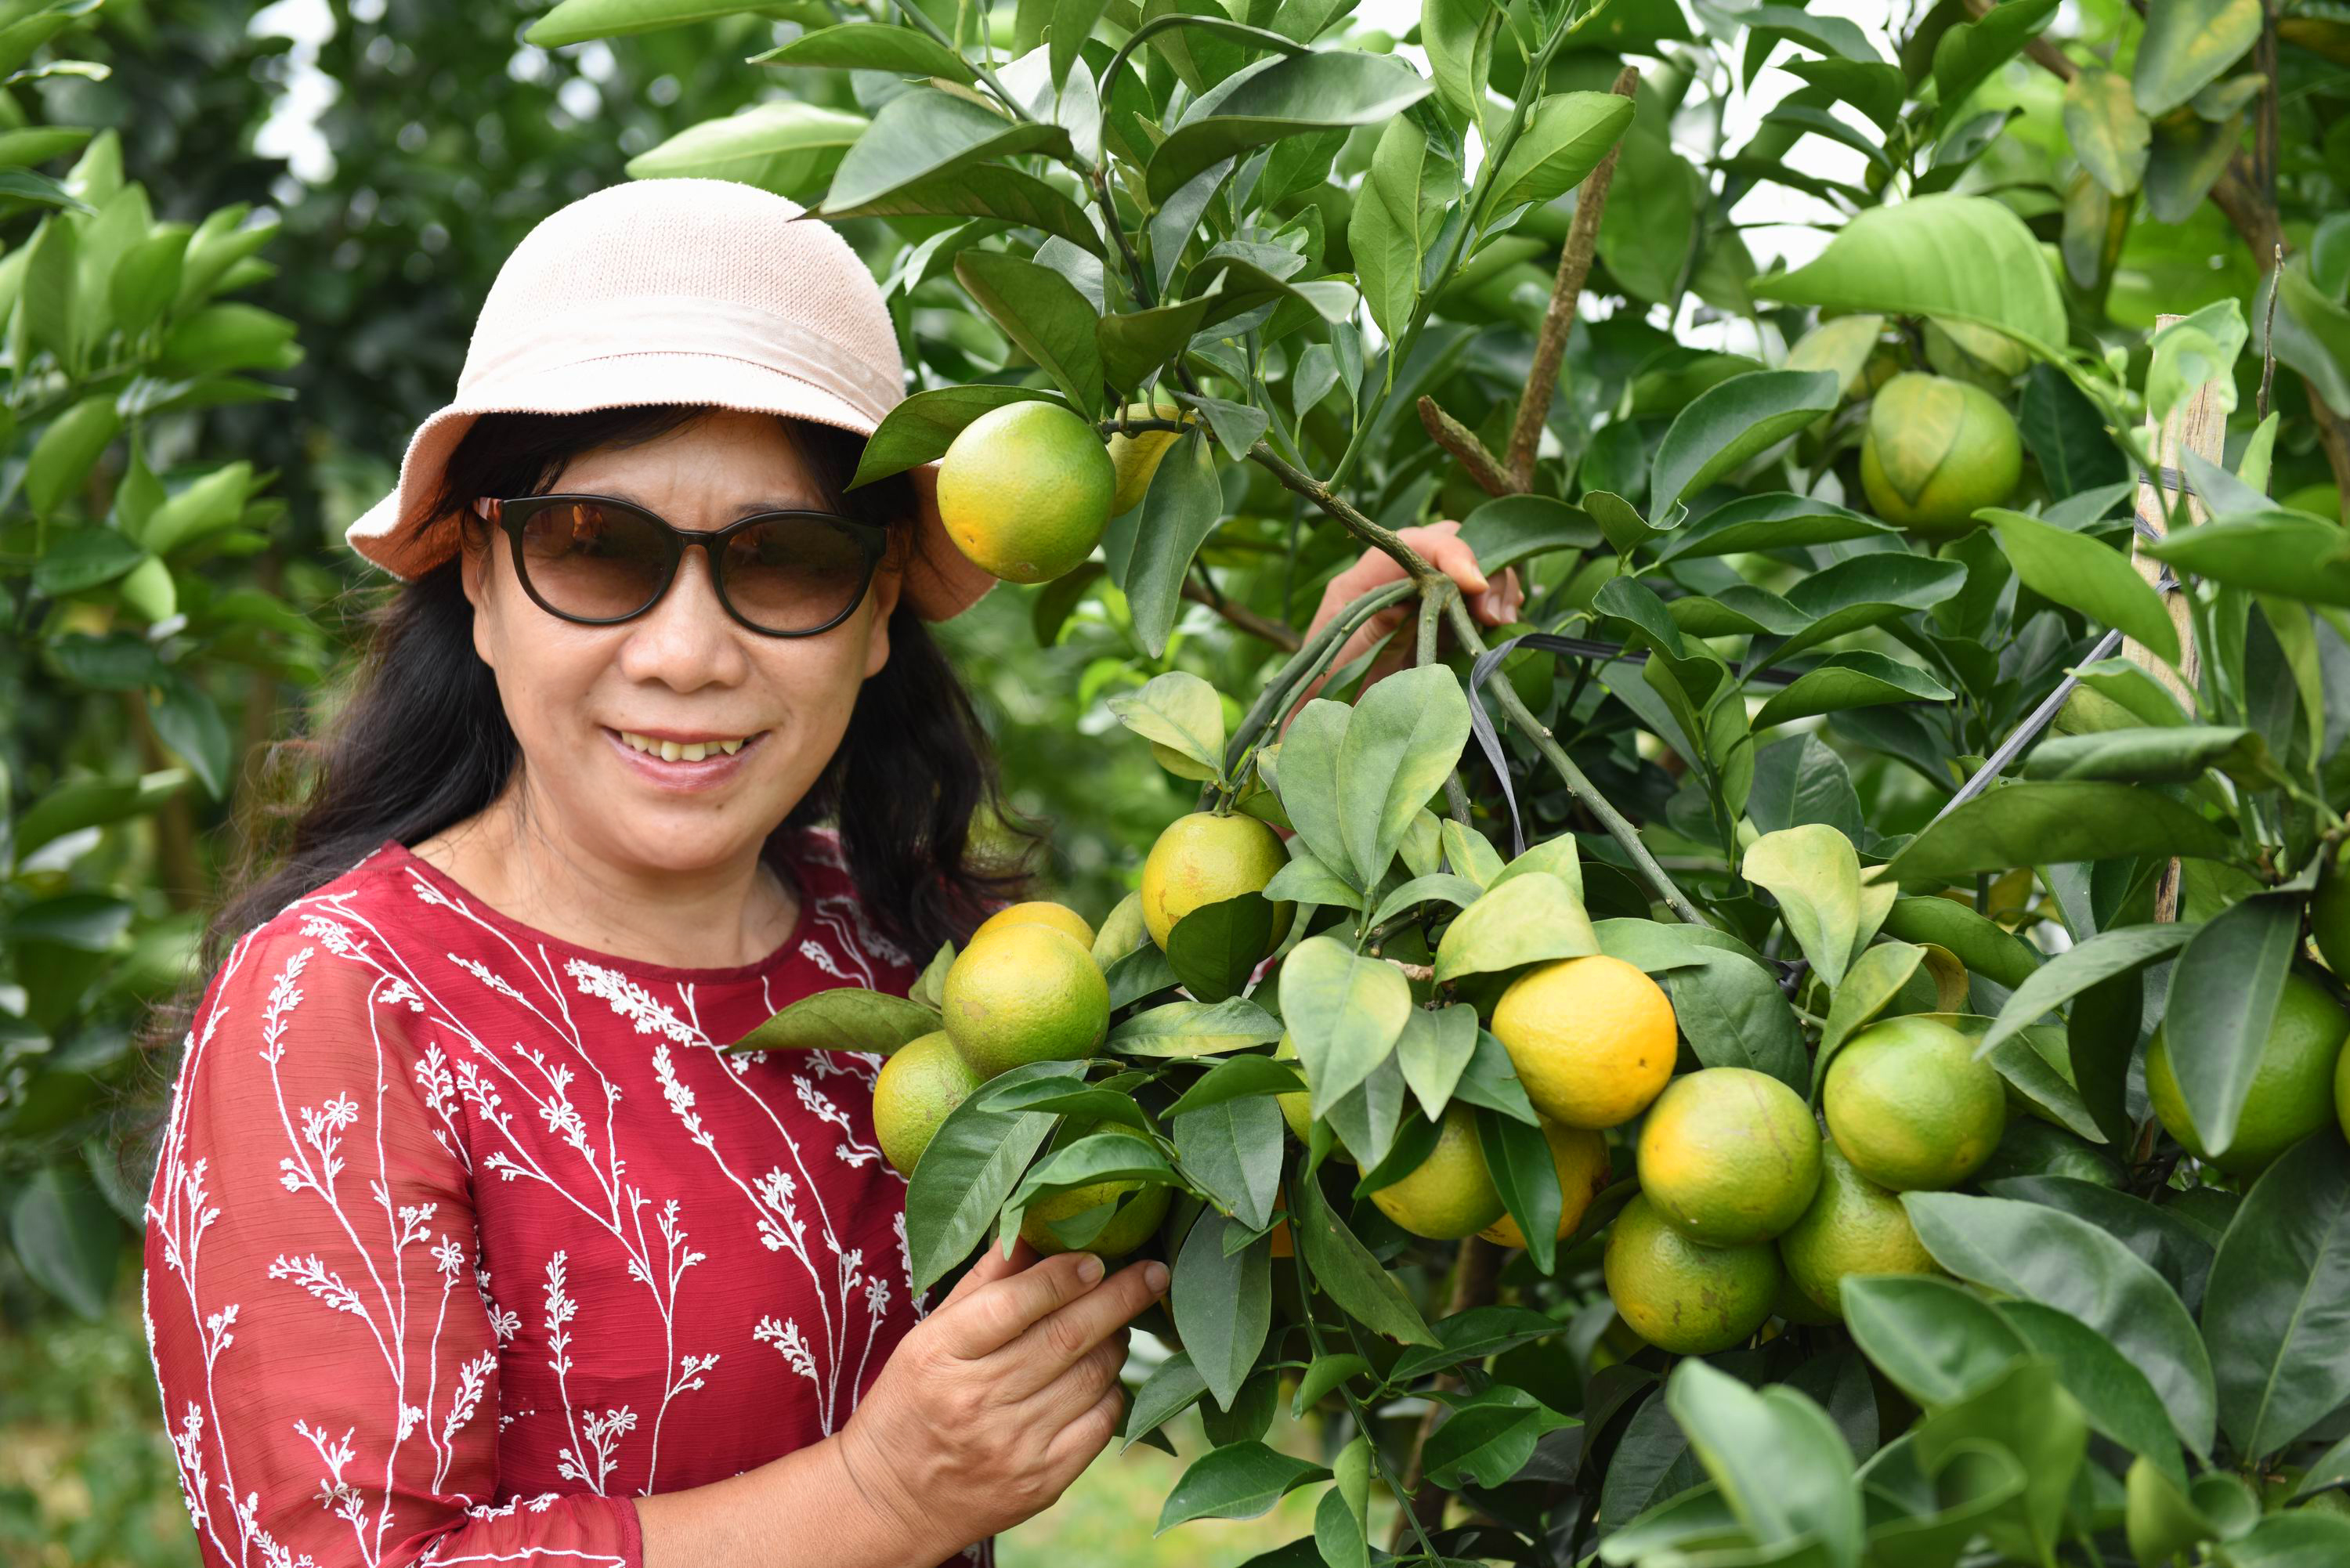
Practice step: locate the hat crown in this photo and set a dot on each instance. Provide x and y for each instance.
(688, 264)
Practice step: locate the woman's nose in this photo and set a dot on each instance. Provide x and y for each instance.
(687, 639)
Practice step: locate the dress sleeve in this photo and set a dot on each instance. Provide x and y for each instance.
(329, 1364)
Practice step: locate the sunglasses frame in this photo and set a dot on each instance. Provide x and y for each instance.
(510, 516)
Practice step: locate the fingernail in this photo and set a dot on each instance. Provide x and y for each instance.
(1090, 1268)
(1155, 1276)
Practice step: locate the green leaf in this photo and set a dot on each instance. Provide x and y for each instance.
(1173, 1387)
(1095, 1103)
(1564, 141)
(2156, 753)
(1776, 1457)
(1856, 680)
(1138, 343)
(86, 922)
(1490, 1435)
(1729, 424)
(83, 559)
(1326, 1373)
(2039, 823)
(1042, 312)
(67, 1239)
(1395, 217)
(2188, 353)
(928, 132)
(67, 452)
(2287, 553)
(1341, 1518)
(1875, 979)
(1512, 529)
(1458, 37)
(985, 190)
(2124, 950)
(2076, 571)
(787, 146)
(1966, 257)
(205, 506)
(1966, 55)
(1231, 1152)
(1180, 509)
(2224, 989)
(969, 1169)
(187, 720)
(2171, 1246)
(1116, 1155)
(1935, 1340)
(920, 429)
(2109, 136)
(2025, 1412)
(2300, 1539)
(578, 21)
(1774, 521)
(1528, 918)
(1867, 590)
(1223, 1301)
(2276, 1315)
(1239, 1077)
(2114, 1395)
(1192, 1028)
(1439, 887)
(2044, 1255)
(871, 46)
(1309, 786)
(1735, 1015)
(846, 1018)
(1815, 874)
(1239, 1480)
(93, 803)
(1287, 98)
(1344, 1009)
(1345, 1269)
(1073, 21)
(1403, 742)
(2188, 43)
(1179, 711)
(1434, 1050)
(1215, 947)
(1519, 1159)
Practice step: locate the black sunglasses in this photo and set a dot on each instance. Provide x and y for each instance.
(597, 561)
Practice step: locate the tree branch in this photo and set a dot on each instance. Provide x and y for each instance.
(1245, 619)
(1461, 443)
(1567, 292)
(1415, 565)
(1476, 1268)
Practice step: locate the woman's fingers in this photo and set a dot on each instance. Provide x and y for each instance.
(1073, 1446)
(1001, 1310)
(1064, 1338)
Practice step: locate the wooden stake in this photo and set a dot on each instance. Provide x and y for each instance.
(2200, 426)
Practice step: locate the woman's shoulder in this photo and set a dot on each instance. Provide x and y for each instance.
(351, 916)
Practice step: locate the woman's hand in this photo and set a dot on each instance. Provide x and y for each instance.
(996, 1401)
(1494, 604)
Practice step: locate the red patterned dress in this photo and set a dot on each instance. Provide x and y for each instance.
(464, 1236)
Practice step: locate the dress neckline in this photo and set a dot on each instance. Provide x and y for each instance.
(408, 859)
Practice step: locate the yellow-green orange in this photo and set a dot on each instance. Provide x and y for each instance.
(1679, 1295)
(1936, 449)
(1449, 1194)
(1040, 912)
(1592, 1039)
(1136, 457)
(1730, 1156)
(1021, 994)
(1025, 491)
(1204, 858)
(1128, 1229)
(1793, 1305)
(1580, 1157)
(1853, 1227)
(1911, 1108)
(2293, 1088)
(922, 1081)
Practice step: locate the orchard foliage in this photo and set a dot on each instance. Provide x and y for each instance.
(1731, 755)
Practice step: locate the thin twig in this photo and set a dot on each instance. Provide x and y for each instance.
(1462, 443)
(1477, 1268)
(2268, 338)
(1248, 620)
(1558, 318)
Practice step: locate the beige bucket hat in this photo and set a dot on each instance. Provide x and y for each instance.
(673, 291)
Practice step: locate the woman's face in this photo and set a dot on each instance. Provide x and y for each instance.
(684, 671)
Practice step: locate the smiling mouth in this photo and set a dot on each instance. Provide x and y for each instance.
(686, 751)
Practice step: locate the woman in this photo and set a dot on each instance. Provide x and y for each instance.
(469, 1241)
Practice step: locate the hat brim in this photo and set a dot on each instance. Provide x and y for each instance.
(397, 535)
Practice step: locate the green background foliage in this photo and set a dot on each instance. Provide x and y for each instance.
(1275, 213)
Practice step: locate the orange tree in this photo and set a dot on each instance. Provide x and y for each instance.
(1759, 826)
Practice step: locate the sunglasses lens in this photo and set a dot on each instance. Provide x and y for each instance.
(795, 573)
(592, 560)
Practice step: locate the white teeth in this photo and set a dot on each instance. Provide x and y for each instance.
(679, 750)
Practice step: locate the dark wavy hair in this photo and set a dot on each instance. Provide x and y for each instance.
(421, 740)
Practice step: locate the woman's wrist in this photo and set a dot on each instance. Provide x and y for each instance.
(817, 1505)
(884, 1510)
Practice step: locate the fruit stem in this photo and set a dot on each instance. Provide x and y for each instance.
(1354, 1405)
(1618, 826)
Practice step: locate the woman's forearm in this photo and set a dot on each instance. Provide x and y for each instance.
(806, 1508)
